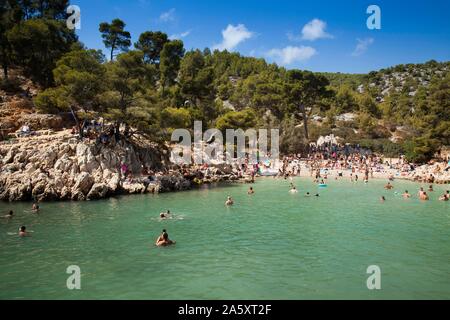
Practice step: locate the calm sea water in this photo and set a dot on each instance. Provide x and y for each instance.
(272, 245)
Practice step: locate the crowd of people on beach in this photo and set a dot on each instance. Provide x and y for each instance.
(321, 165)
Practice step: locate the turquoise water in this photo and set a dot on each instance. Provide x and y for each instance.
(272, 245)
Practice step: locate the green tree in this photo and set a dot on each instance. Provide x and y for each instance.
(196, 80)
(129, 82)
(304, 92)
(10, 14)
(36, 46)
(115, 37)
(171, 56)
(244, 120)
(152, 43)
(174, 118)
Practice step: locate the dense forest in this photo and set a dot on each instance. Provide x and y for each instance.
(155, 86)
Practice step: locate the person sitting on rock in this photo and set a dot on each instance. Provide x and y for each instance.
(25, 131)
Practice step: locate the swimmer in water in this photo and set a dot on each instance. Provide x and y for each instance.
(10, 215)
(430, 189)
(389, 186)
(229, 201)
(23, 232)
(163, 240)
(317, 195)
(421, 191)
(445, 196)
(406, 195)
(383, 199)
(35, 207)
(424, 197)
(293, 190)
(307, 195)
(163, 215)
(251, 191)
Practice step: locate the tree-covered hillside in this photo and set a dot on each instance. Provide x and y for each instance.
(156, 86)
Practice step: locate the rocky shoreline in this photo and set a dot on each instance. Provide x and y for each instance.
(58, 166)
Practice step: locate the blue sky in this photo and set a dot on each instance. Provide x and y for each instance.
(318, 35)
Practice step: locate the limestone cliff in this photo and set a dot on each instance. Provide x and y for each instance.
(60, 167)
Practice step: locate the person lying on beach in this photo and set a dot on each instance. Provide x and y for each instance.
(229, 202)
(10, 215)
(406, 195)
(251, 191)
(445, 196)
(163, 240)
(23, 232)
(389, 186)
(424, 197)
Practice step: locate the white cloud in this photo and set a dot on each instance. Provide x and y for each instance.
(313, 30)
(180, 35)
(233, 36)
(362, 46)
(167, 16)
(289, 55)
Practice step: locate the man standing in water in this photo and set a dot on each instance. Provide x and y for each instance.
(389, 186)
(406, 195)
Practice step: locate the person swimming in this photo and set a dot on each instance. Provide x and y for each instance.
(23, 232)
(383, 199)
(430, 189)
(165, 215)
(251, 191)
(424, 197)
(293, 190)
(445, 196)
(35, 208)
(10, 215)
(317, 195)
(389, 186)
(406, 195)
(421, 191)
(229, 201)
(307, 195)
(163, 240)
